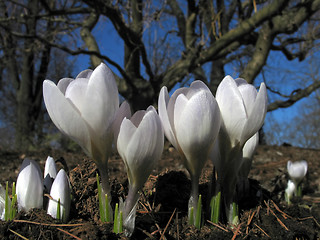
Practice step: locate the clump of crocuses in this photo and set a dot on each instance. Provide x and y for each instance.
(30, 189)
(84, 109)
(297, 171)
(243, 110)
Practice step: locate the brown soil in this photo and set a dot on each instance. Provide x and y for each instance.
(163, 203)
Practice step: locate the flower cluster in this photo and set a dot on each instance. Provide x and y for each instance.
(200, 126)
(31, 187)
(297, 171)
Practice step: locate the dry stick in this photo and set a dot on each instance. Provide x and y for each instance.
(278, 219)
(236, 232)
(268, 207)
(146, 233)
(218, 226)
(165, 229)
(249, 221)
(262, 230)
(159, 229)
(49, 224)
(70, 234)
(284, 215)
(19, 235)
(311, 217)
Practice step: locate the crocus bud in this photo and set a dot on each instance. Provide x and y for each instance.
(297, 171)
(29, 187)
(60, 190)
(50, 173)
(290, 190)
(140, 145)
(242, 109)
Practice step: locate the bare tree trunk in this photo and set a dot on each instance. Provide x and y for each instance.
(24, 92)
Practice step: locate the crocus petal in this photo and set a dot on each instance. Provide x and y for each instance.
(63, 84)
(85, 74)
(291, 188)
(102, 93)
(163, 114)
(75, 92)
(137, 117)
(60, 190)
(66, 118)
(50, 173)
(197, 123)
(232, 108)
(50, 168)
(248, 93)
(297, 170)
(123, 112)
(29, 187)
(250, 146)
(247, 154)
(257, 115)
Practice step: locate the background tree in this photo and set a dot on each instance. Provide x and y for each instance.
(25, 62)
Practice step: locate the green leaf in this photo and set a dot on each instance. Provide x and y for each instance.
(199, 214)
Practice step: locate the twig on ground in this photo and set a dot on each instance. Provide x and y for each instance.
(250, 220)
(262, 230)
(236, 232)
(311, 217)
(49, 224)
(284, 215)
(278, 219)
(18, 234)
(165, 229)
(70, 234)
(218, 226)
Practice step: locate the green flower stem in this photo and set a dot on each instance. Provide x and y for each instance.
(105, 189)
(115, 223)
(299, 191)
(59, 217)
(235, 213)
(193, 201)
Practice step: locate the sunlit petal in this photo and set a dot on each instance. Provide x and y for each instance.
(66, 118)
(163, 114)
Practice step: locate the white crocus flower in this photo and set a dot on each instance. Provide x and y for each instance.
(29, 188)
(191, 121)
(297, 171)
(84, 109)
(140, 145)
(50, 173)
(243, 112)
(60, 190)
